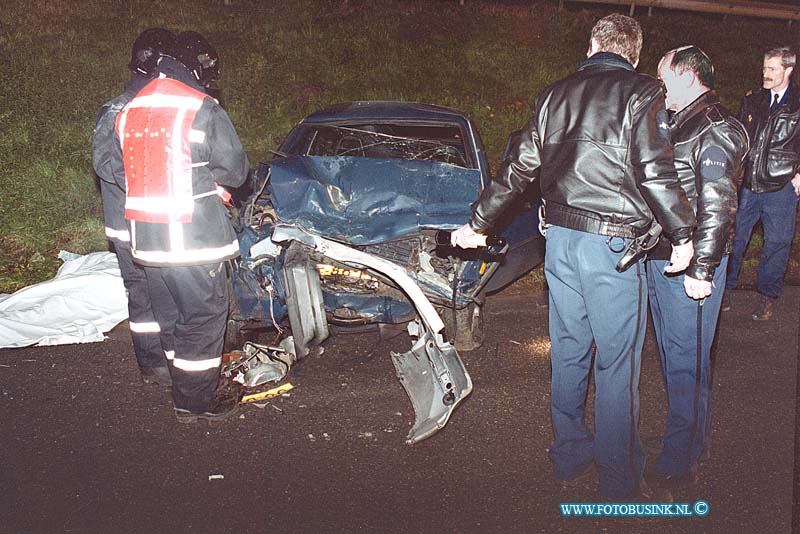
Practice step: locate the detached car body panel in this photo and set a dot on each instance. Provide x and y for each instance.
(341, 230)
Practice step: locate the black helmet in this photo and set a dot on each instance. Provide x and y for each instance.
(198, 56)
(147, 49)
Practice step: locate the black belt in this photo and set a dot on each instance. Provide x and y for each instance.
(583, 221)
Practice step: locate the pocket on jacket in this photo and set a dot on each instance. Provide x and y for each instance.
(780, 168)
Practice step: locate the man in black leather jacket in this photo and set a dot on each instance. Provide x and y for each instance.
(605, 173)
(710, 146)
(772, 178)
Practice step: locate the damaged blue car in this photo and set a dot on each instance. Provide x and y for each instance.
(344, 229)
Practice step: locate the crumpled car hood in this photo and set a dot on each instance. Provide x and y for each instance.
(363, 201)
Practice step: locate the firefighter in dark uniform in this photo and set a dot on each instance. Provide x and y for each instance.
(107, 161)
(179, 149)
(710, 146)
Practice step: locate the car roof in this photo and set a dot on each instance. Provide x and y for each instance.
(386, 110)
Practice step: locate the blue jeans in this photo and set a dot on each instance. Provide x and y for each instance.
(591, 304)
(684, 333)
(777, 211)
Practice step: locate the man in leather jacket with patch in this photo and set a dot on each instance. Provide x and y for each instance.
(710, 146)
(771, 116)
(606, 174)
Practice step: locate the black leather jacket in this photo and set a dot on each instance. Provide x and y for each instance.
(710, 146)
(774, 156)
(593, 142)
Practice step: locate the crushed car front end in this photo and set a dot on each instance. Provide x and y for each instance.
(341, 230)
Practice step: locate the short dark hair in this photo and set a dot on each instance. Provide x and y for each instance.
(694, 59)
(786, 53)
(619, 34)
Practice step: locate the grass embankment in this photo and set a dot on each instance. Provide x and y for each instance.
(281, 60)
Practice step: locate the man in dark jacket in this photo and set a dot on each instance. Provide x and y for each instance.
(771, 116)
(710, 146)
(179, 147)
(605, 174)
(107, 160)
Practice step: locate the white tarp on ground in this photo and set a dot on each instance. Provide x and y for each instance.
(85, 299)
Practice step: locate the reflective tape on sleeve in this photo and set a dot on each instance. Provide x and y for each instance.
(122, 235)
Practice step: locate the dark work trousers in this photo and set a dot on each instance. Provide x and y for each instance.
(684, 333)
(593, 304)
(191, 307)
(144, 328)
(777, 211)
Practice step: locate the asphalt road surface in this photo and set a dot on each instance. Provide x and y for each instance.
(86, 447)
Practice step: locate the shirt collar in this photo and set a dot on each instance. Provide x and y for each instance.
(780, 94)
(606, 58)
(698, 104)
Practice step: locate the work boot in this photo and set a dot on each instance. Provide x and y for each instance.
(764, 309)
(727, 305)
(156, 375)
(224, 404)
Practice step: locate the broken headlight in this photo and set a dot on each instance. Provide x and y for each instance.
(342, 277)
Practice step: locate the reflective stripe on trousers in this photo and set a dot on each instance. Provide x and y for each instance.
(191, 307)
(143, 325)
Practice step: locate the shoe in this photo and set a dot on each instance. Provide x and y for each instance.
(584, 475)
(156, 375)
(764, 308)
(727, 305)
(222, 407)
(657, 480)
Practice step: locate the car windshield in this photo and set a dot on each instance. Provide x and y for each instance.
(442, 143)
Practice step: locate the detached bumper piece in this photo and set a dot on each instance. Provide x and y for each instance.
(432, 373)
(435, 380)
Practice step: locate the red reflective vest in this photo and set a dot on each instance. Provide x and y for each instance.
(155, 130)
